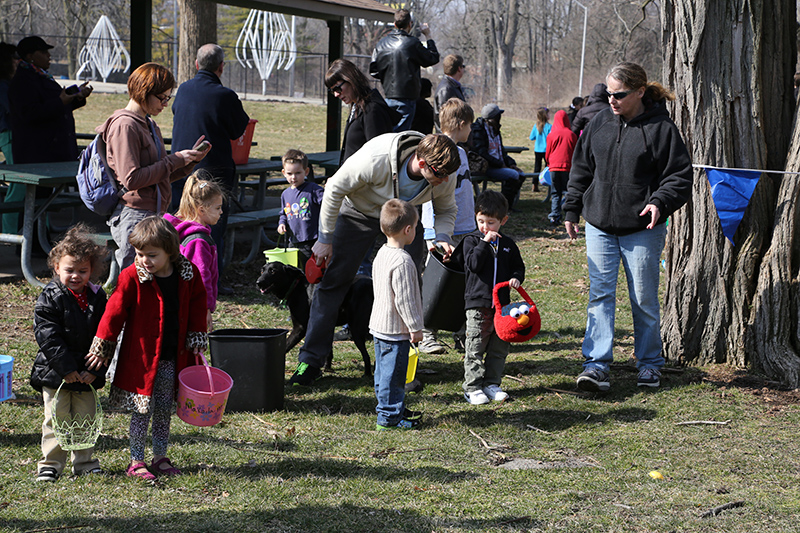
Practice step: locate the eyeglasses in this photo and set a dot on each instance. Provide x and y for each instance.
(436, 173)
(164, 99)
(337, 89)
(618, 96)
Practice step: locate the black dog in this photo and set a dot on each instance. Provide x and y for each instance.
(289, 284)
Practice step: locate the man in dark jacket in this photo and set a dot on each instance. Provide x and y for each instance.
(450, 86)
(598, 101)
(203, 106)
(396, 61)
(42, 125)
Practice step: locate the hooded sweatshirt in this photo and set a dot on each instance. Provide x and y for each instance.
(619, 167)
(200, 251)
(597, 102)
(140, 160)
(560, 143)
(366, 179)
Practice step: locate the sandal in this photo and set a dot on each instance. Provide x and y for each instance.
(169, 471)
(139, 469)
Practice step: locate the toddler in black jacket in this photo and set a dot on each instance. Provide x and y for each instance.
(65, 321)
(489, 258)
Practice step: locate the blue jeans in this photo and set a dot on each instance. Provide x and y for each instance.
(510, 182)
(406, 108)
(640, 253)
(391, 364)
(558, 189)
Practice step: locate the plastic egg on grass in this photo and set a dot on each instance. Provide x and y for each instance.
(655, 474)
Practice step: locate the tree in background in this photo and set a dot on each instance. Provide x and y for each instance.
(731, 65)
(198, 27)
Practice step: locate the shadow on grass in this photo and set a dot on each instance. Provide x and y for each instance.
(321, 518)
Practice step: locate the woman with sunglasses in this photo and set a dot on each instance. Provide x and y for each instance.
(630, 171)
(135, 152)
(369, 114)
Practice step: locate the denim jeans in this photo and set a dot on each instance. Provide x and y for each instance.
(391, 364)
(558, 189)
(406, 108)
(640, 253)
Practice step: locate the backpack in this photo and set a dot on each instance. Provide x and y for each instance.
(198, 235)
(97, 182)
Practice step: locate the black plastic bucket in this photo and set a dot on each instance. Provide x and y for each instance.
(256, 360)
(442, 295)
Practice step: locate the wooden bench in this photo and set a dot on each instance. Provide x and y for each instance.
(477, 179)
(250, 219)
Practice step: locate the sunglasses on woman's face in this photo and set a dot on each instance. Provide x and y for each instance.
(618, 96)
(337, 89)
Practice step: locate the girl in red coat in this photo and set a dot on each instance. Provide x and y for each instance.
(560, 145)
(161, 301)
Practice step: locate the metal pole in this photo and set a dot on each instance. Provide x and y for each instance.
(583, 46)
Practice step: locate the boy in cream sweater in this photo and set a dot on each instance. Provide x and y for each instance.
(396, 319)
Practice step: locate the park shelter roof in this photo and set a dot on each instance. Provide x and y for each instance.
(332, 11)
(321, 9)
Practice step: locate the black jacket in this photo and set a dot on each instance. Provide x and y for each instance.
(203, 106)
(376, 118)
(448, 88)
(396, 61)
(42, 127)
(597, 102)
(619, 167)
(479, 140)
(480, 263)
(64, 334)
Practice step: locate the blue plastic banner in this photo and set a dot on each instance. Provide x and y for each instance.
(731, 191)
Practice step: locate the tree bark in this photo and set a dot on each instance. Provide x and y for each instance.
(727, 62)
(198, 27)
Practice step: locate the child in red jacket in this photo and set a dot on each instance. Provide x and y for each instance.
(161, 301)
(560, 145)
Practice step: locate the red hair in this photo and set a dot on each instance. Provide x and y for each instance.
(150, 78)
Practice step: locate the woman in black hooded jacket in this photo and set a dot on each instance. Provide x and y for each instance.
(630, 171)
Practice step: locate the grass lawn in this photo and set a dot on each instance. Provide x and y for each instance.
(552, 459)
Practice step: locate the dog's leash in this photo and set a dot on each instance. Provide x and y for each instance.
(292, 287)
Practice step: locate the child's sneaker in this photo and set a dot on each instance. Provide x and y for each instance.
(476, 397)
(649, 377)
(593, 380)
(47, 474)
(495, 393)
(408, 414)
(403, 424)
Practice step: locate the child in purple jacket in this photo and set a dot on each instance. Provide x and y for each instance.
(301, 204)
(200, 208)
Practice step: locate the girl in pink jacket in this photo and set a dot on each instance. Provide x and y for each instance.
(200, 208)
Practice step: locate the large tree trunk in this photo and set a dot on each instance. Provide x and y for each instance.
(731, 65)
(198, 27)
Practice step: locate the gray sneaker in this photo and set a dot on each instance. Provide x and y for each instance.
(594, 380)
(649, 377)
(430, 345)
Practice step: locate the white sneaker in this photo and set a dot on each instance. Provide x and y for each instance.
(476, 397)
(495, 393)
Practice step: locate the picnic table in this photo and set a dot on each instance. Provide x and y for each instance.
(262, 169)
(32, 175)
(516, 149)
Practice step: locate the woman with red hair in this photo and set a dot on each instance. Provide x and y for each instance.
(135, 152)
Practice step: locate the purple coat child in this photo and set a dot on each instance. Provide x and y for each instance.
(201, 251)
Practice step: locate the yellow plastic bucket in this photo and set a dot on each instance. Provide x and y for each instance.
(413, 359)
(283, 254)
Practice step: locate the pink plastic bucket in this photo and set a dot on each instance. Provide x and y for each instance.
(202, 394)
